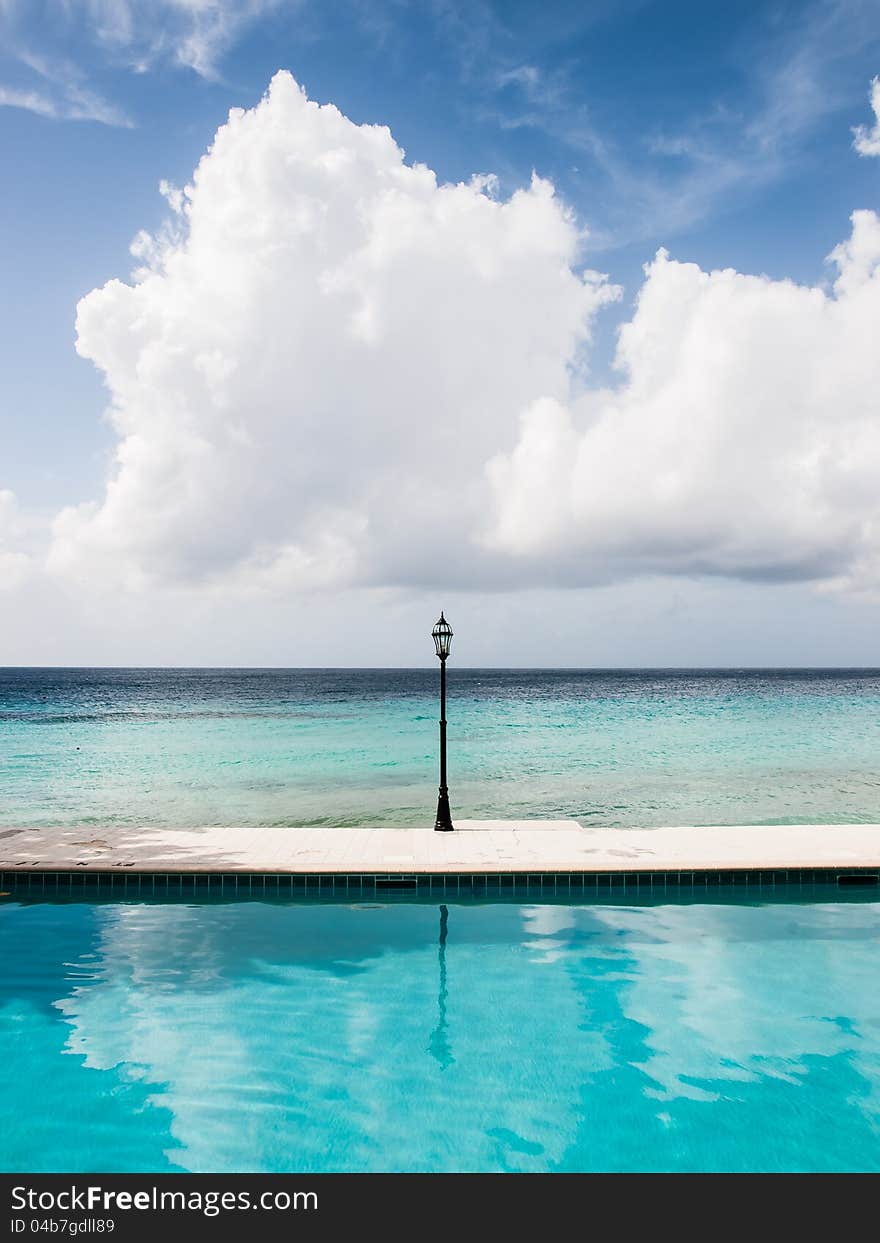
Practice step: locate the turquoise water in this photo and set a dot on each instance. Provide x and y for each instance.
(293, 747)
(403, 1036)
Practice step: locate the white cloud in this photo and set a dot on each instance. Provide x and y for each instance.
(30, 101)
(309, 376)
(63, 100)
(867, 141)
(743, 441)
(330, 370)
(14, 563)
(193, 33)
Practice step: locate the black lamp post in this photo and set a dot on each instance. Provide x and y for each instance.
(442, 635)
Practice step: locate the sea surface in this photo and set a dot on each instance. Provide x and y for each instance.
(348, 747)
(289, 1036)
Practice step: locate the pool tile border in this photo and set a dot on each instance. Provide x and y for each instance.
(379, 884)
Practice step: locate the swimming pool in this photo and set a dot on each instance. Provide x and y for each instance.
(218, 1036)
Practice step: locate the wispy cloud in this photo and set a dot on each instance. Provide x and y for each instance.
(793, 77)
(31, 101)
(790, 77)
(71, 105)
(54, 40)
(61, 93)
(867, 141)
(195, 34)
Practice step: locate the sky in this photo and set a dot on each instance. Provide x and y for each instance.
(319, 318)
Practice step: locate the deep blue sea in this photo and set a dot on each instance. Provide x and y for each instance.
(348, 747)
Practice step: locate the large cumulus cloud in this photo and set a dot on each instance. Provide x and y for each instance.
(332, 370)
(743, 440)
(314, 365)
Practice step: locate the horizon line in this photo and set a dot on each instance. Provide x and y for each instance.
(465, 668)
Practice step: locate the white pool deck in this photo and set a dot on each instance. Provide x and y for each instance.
(476, 847)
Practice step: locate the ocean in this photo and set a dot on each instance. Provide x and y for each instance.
(359, 746)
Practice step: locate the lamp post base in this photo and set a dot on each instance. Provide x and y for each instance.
(443, 823)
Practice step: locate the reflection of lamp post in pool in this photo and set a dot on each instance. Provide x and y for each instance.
(438, 1045)
(442, 635)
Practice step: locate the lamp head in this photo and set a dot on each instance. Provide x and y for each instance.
(442, 635)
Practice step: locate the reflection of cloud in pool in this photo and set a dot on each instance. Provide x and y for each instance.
(761, 992)
(542, 923)
(257, 1036)
(291, 1038)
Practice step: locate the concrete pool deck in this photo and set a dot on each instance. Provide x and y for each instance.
(478, 848)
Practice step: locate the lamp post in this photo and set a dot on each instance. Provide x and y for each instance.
(442, 636)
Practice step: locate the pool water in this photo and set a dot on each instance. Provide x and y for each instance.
(407, 1036)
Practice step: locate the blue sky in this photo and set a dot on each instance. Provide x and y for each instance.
(720, 132)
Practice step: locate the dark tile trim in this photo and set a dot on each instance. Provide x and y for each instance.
(559, 884)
